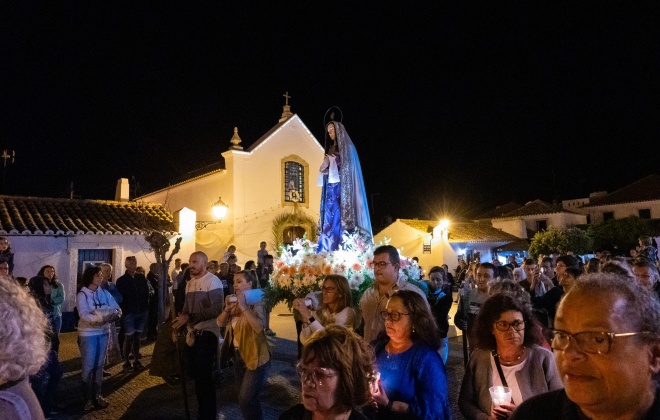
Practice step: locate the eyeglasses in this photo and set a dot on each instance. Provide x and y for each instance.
(593, 342)
(504, 326)
(328, 289)
(380, 264)
(319, 375)
(392, 316)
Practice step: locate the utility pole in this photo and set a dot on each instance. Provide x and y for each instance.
(6, 155)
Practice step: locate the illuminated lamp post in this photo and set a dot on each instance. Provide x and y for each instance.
(219, 210)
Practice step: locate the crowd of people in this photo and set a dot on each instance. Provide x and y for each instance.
(567, 338)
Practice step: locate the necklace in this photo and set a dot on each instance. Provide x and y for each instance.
(513, 362)
(390, 350)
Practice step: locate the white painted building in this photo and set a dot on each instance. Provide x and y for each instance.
(434, 244)
(72, 234)
(536, 216)
(641, 199)
(276, 175)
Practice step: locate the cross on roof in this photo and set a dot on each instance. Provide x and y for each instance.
(286, 95)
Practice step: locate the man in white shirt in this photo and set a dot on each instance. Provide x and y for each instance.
(175, 273)
(386, 273)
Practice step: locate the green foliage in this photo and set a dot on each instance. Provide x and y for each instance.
(560, 241)
(296, 218)
(618, 236)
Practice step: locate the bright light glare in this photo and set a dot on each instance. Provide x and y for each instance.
(219, 209)
(444, 224)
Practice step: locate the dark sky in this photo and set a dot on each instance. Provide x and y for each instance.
(456, 105)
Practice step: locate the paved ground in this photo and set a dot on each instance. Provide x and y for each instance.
(141, 396)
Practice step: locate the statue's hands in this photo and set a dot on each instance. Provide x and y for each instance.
(325, 165)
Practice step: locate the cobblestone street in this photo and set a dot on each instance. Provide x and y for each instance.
(142, 396)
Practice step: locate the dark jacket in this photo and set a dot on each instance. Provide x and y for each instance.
(8, 256)
(556, 405)
(36, 285)
(135, 293)
(440, 307)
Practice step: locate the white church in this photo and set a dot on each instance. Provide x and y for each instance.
(269, 190)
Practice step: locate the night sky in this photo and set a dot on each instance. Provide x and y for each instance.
(454, 107)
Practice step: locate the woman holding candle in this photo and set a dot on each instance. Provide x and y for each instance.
(413, 384)
(507, 355)
(335, 308)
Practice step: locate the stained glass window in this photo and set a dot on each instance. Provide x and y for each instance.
(294, 178)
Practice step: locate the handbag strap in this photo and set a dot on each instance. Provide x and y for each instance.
(499, 370)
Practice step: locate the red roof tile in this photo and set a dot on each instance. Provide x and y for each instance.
(53, 216)
(464, 232)
(645, 189)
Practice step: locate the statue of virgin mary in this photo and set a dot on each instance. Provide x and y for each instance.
(343, 198)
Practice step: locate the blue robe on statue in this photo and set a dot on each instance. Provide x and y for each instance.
(343, 198)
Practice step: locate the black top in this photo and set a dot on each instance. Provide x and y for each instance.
(440, 308)
(135, 293)
(298, 412)
(36, 285)
(556, 405)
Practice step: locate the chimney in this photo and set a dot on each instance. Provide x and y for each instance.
(122, 191)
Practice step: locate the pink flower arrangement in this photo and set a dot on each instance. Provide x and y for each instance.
(300, 270)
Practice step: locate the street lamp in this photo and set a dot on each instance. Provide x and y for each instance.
(219, 210)
(442, 229)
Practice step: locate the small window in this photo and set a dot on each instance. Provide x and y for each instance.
(608, 215)
(294, 178)
(645, 214)
(541, 225)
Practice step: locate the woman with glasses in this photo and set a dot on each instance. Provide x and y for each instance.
(336, 372)
(507, 355)
(334, 308)
(413, 383)
(97, 309)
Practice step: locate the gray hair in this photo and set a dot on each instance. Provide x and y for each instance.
(642, 309)
(25, 347)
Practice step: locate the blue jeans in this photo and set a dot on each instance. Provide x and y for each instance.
(250, 383)
(135, 322)
(92, 356)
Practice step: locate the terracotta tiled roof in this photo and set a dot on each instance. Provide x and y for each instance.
(645, 189)
(59, 216)
(425, 226)
(533, 208)
(464, 232)
(517, 245)
(499, 211)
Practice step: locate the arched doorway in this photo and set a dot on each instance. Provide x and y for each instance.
(291, 233)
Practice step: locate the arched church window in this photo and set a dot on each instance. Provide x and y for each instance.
(294, 182)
